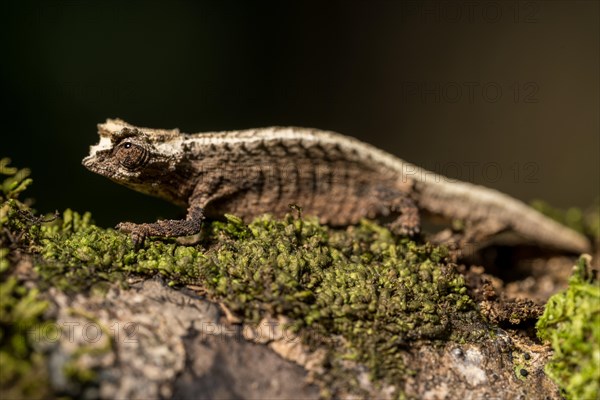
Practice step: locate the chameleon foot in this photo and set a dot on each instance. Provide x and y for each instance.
(407, 223)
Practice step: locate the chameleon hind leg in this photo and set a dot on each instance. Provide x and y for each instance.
(407, 220)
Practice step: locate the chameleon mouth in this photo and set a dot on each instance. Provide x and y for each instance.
(91, 163)
(88, 162)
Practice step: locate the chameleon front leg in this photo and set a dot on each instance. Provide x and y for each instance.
(407, 220)
(165, 228)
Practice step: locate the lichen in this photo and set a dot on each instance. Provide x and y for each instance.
(571, 323)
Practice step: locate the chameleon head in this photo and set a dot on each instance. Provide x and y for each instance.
(137, 158)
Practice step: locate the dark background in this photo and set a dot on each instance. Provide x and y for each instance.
(504, 94)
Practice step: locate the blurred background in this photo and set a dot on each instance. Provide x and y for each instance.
(500, 93)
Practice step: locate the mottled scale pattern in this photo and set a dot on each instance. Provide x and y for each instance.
(334, 177)
(307, 174)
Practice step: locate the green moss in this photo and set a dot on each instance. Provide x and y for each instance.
(74, 255)
(376, 290)
(23, 372)
(16, 217)
(15, 180)
(571, 322)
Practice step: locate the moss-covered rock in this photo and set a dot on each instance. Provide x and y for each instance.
(376, 290)
(361, 292)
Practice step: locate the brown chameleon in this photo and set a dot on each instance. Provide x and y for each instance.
(334, 177)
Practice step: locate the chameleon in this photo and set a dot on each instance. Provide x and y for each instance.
(336, 178)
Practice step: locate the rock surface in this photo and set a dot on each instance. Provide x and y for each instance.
(166, 343)
(169, 343)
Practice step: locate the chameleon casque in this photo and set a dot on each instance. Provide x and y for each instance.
(334, 177)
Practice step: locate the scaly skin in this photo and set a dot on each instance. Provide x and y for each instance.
(336, 178)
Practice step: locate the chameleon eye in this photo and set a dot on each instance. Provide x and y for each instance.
(131, 156)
